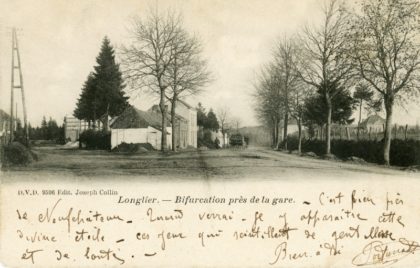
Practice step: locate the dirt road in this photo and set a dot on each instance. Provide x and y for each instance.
(56, 162)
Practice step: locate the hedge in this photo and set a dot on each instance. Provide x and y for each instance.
(403, 152)
(96, 139)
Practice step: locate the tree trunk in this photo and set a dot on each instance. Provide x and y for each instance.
(300, 135)
(273, 133)
(94, 119)
(360, 119)
(389, 103)
(276, 134)
(163, 145)
(328, 128)
(286, 122)
(106, 123)
(173, 124)
(395, 131)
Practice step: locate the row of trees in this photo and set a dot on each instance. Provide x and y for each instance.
(373, 48)
(49, 130)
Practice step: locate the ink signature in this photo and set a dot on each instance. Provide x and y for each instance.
(380, 253)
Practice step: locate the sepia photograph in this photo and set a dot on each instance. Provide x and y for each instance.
(221, 89)
(162, 104)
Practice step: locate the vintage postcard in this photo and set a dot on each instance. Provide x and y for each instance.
(234, 133)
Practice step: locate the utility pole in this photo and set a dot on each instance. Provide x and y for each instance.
(11, 128)
(17, 65)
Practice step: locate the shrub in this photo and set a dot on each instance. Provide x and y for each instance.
(217, 143)
(96, 139)
(403, 152)
(16, 154)
(206, 140)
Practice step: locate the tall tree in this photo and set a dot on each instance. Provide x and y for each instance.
(269, 100)
(201, 115)
(342, 108)
(236, 123)
(103, 92)
(212, 122)
(299, 98)
(285, 58)
(110, 84)
(44, 128)
(324, 63)
(87, 104)
(387, 52)
(223, 117)
(187, 73)
(148, 59)
(362, 93)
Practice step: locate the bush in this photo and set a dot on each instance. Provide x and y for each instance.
(206, 140)
(16, 154)
(217, 143)
(96, 139)
(403, 152)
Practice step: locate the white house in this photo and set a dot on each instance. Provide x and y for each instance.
(73, 127)
(136, 126)
(187, 132)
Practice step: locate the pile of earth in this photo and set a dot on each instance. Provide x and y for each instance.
(71, 145)
(133, 148)
(17, 154)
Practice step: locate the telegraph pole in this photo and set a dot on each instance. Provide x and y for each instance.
(11, 128)
(18, 66)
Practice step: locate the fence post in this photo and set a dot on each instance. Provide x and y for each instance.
(405, 132)
(348, 133)
(395, 131)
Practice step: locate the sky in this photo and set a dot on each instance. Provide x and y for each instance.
(59, 41)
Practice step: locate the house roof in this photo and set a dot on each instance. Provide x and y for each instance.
(4, 115)
(4, 119)
(186, 104)
(156, 109)
(373, 120)
(134, 118)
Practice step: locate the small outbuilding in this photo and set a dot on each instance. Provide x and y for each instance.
(373, 123)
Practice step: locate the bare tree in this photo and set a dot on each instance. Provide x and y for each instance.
(222, 114)
(269, 100)
(148, 59)
(285, 57)
(187, 73)
(235, 122)
(301, 94)
(362, 93)
(324, 63)
(387, 52)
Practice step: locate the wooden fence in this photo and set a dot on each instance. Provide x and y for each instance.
(342, 132)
